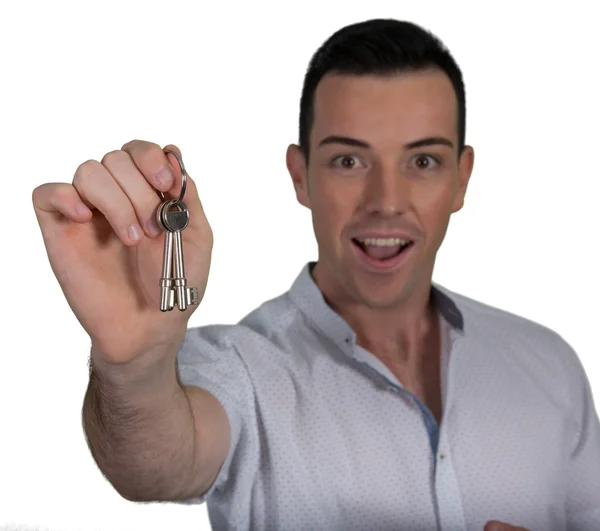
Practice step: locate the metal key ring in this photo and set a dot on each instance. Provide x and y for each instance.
(183, 177)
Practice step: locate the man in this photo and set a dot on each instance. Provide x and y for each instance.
(365, 397)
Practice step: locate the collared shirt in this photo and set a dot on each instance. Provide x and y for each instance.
(325, 437)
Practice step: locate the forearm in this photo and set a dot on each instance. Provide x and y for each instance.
(140, 430)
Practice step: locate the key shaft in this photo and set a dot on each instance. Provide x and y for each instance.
(179, 280)
(166, 282)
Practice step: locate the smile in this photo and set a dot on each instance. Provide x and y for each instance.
(382, 254)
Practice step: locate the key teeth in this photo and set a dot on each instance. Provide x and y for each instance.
(193, 298)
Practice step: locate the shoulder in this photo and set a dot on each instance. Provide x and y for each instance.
(494, 322)
(509, 333)
(257, 330)
(229, 360)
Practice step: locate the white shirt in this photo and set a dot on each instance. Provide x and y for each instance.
(324, 437)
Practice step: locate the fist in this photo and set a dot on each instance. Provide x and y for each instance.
(100, 233)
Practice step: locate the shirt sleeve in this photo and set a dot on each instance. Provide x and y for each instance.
(208, 359)
(583, 477)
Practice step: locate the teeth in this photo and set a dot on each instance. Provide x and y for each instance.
(383, 242)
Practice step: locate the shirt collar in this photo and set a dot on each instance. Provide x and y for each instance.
(305, 294)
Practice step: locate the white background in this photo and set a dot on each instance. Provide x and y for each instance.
(222, 81)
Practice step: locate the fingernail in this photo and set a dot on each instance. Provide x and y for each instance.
(164, 177)
(82, 209)
(135, 232)
(152, 227)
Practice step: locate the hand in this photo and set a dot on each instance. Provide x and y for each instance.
(495, 525)
(110, 279)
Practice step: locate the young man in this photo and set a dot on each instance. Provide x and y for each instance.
(365, 397)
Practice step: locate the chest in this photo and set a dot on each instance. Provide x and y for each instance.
(352, 453)
(425, 384)
(423, 377)
(350, 450)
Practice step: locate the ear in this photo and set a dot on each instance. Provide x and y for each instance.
(296, 165)
(465, 168)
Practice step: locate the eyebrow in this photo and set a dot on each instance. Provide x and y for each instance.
(346, 140)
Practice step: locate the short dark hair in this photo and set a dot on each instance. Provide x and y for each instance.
(381, 47)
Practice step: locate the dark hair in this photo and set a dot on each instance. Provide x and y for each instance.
(381, 47)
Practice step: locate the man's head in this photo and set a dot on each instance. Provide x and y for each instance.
(387, 84)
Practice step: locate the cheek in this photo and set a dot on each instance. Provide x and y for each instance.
(331, 209)
(436, 213)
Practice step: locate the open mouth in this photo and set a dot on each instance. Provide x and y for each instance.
(382, 250)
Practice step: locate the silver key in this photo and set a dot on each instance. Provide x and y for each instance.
(175, 221)
(167, 289)
(173, 287)
(167, 293)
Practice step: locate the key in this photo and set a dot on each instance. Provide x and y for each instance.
(167, 293)
(176, 221)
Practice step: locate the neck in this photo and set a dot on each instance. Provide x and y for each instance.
(398, 332)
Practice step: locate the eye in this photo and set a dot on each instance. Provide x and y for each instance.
(347, 162)
(425, 162)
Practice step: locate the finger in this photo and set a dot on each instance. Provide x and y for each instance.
(62, 198)
(95, 184)
(174, 165)
(192, 198)
(141, 194)
(152, 162)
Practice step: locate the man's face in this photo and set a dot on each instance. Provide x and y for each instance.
(386, 187)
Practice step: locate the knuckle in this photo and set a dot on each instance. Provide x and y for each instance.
(139, 146)
(36, 192)
(130, 144)
(154, 154)
(112, 157)
(64, 191)
(85, 170)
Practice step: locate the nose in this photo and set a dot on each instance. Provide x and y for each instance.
(387, 191)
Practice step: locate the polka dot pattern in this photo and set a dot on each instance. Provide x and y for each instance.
(325, 438)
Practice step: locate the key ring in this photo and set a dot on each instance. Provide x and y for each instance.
(183, 178)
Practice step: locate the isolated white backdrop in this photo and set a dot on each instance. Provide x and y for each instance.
(222, 81)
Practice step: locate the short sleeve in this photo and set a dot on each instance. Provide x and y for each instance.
(208, 359)
(583, 476)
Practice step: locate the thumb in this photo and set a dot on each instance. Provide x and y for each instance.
(191, 198)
